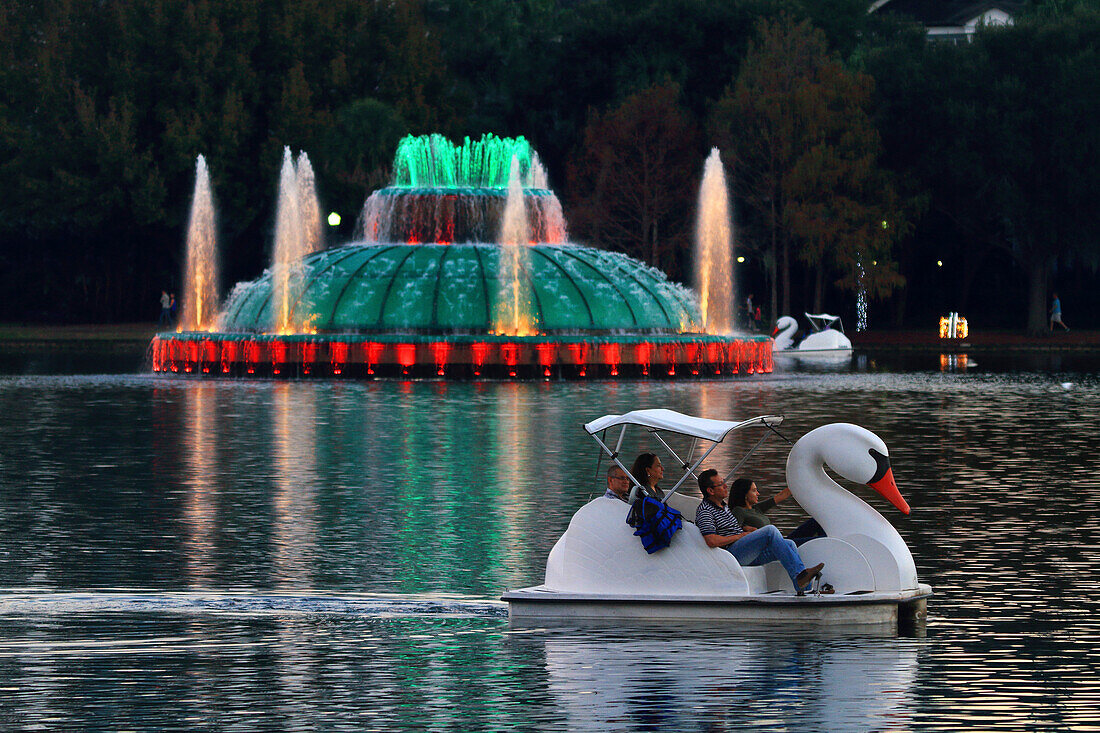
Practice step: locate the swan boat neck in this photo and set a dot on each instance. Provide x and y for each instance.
(599, 570)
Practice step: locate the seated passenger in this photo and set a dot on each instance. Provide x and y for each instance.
(647, 470)
(750, 511)
(751, 546)
(618, 484)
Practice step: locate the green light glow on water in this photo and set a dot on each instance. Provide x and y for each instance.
(433, 161)
(328, 555)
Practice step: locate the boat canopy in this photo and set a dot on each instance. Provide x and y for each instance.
(696, 428)
(675, 422)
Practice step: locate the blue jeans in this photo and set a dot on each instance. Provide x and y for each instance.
(763, 546)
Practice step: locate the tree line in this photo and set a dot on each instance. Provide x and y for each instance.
(934, 176)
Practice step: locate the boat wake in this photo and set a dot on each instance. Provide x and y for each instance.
(246, 603)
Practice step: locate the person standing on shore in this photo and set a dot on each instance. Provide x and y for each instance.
(1056, 313)
(165, 308)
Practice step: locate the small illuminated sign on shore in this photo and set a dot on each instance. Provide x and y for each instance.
(953, 326)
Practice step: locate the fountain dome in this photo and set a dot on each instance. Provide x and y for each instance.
(463, 234)
(448, 289)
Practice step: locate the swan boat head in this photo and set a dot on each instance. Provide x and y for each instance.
(858, 455)
(785, 329)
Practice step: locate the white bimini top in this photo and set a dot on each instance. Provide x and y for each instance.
(675, 422)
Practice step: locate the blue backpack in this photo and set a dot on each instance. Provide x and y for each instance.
(655, 522)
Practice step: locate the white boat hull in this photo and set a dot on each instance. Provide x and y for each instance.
(884, 610)
(598, 570)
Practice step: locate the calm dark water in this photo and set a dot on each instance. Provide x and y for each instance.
(190, 555)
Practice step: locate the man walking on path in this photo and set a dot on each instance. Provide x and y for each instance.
(1056, 313)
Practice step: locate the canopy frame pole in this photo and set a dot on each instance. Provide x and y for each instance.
(748, 455)
(615, 457)
(690, 471)
(683, 464)
(599, 463)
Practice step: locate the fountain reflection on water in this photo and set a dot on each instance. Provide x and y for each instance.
(100, 601)
(294, 503)
(200, 504)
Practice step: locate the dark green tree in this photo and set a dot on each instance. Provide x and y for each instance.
(634, 182)
(1002, 133)
(805, 160)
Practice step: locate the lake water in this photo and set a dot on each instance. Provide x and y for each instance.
(204, 555)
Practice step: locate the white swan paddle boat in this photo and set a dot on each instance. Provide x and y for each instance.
(827, 336)
(598, 569)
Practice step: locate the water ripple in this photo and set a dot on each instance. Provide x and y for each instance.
(247, 604)
(320, 556)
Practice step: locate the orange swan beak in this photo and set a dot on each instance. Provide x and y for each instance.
(889, 490)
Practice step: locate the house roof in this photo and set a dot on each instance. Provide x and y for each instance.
(940, 13)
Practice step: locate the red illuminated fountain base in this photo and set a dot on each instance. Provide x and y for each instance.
(459, 357)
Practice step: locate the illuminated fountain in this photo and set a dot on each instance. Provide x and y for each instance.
(513, 306)
(714, 249)
(297, 234)
(463, 270)
(200, 276)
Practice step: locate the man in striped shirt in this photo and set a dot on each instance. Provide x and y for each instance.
(749, 545)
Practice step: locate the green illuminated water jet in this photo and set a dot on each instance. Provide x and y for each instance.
(433, 161)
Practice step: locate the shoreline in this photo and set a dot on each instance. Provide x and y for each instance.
(21, 333)
(69, 336)
(983, 341)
